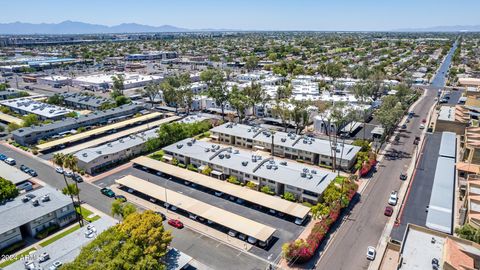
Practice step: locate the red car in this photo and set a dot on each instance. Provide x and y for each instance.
(175, 223)
(424, 120)
(388, 211)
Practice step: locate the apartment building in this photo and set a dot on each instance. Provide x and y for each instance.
(31, 135)
(289, 145)
(26, 216)
(84, 102)
(96, 159)
(306, 182)
(44, 111)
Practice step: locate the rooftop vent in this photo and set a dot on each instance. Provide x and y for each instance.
(35, 203)
(305, 170)
(313, 171)
(179, 146)
(269, 166)
(244, 163)
(284, 163)
(46, 198)
(189, 143)
(303, 175)
(283, 139)
(221, 156)
(236, 151)
(207, 150)
(227, 155)
(84, 154)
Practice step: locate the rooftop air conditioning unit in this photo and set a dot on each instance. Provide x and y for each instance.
(221, 156)
(269, 167)
(207, 150)
(284, 163)
(46, 198)
(35, 203)
(303, 175)
(179, 146)
(244, 163)
(283, 139)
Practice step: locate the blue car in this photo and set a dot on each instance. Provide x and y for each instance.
(3, 157)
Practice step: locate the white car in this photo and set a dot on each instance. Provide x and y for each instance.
(392, 200)
(68, 174)
(371, 252)
(10, 161)
(44, 257)
(59, 170)
(56, 265)
(232, 233)
(422, 126)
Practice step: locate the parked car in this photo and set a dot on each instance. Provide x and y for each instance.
(388, 211)
(32, 172)
(404, 126)
(44, 257)
(175, 223)
(77, 178)
(3, 157)
(252, 240)
(120, 198)
(424, 120)
(23, 168)
(242, 236)
(422, 126)
(68, 174)
(232, 233)
(107, 192)
(218, 193)
(10, 161)
(403, 176)
(59, 170)
(371, 252)
(56, 265)
(392, 200)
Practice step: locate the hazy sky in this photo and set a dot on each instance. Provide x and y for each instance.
(251, 14)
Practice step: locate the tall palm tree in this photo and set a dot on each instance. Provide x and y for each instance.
(70, 162)
(59, 160)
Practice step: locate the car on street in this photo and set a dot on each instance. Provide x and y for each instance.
(403, 176)
(68, 174)
(44, 257)
(77, 178)
(10, 161)
(404, 126)
(392, 200)
(107, 192)
(371, 252)
(3, 157)
(422, 126)
(23, 168)
(59, 170)
(120, 198)
(424, 120)
(32, 172)
(175, 223)
(388, 211)
(56, 265)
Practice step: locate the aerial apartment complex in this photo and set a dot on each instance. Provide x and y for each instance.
(289, 145)
(307, 183)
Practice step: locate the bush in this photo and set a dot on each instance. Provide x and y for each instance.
(175, 162)
(13, 248)
(251, 185)
(158, 155)
(267, 190)
(47, 231)
(8, 190)
(192, 168)
(289, 196)
(207, 170)
(233, 179)
(181, 165)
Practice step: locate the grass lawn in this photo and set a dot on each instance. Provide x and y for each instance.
(86, 213)
(60, 235)
(17, 257)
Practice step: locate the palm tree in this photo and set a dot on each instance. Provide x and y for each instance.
(59, 160)
(70, 162)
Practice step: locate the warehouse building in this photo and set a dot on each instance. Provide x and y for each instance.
(307, 183)
(31, 135)
(289, 145)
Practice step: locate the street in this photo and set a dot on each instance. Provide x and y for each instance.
(363, 226)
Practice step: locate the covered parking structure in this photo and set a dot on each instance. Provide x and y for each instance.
(117, 135)
(97, 131)
(250, 228)
(275, 203)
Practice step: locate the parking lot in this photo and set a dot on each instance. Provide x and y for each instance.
(419, 197)
(286, 229)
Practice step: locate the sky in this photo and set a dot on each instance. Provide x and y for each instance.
(336, 15)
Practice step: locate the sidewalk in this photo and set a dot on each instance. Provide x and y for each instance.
(191, 224)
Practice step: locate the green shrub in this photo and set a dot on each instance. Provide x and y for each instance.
(251, 185)
(207, 170)
(192, 168)
(289, 196)
(175, 162)
(181, 165)
(47, 231)
(267, 190)
(233, 179)
(158, 155)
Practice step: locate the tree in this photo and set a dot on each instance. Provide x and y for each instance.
(280, 109)
(239, 101)
(70, 162)
(151, 91)
(56, 99)
(122, 209)
(388, 115)
(118, 85)
(468, 232)
(30, 120)
(299, 114)
(254, 93)
(251, 63)
(8, 190)
(284, 92)
(217, 88)
(362, 93)
(121, 100)
(139, 242)
(289, 196)
(13, 126)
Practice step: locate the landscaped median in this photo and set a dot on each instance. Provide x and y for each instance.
(336, 197)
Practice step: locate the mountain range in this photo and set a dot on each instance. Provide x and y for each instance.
(72, 27)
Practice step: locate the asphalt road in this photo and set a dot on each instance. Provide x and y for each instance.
(415, 207)
(205, 250)
(364, 225)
